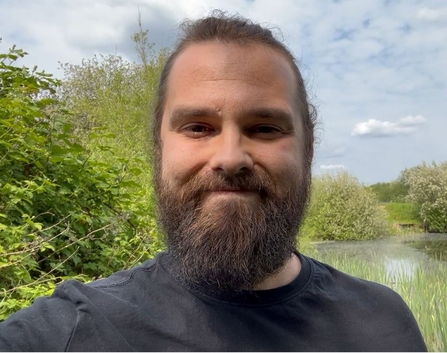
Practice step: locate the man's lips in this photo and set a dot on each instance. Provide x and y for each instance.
(230, 190)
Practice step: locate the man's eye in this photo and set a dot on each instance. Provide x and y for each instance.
(196, 129)
(267, 130)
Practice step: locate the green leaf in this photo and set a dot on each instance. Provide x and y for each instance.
(55, 149)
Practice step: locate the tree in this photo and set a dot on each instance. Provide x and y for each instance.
(394, 191)
(428, 187)
(118, 95)
(343, 209)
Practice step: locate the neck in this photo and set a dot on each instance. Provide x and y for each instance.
(287, 274)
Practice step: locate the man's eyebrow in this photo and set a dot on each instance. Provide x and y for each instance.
(276, 114)
(179, 115)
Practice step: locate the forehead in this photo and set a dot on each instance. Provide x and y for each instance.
(231, 78)
(254, 64)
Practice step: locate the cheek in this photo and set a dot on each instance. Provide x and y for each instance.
(171, 163)
(282, 160)
(285, 168)
(179, 161)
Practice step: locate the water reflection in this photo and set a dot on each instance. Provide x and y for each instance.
(400, 268)
(401, 255)
(436, 249)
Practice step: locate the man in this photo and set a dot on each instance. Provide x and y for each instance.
(233, 141)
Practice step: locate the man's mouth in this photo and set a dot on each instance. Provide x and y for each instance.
(231, 189)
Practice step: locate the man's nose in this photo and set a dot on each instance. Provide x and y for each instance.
(230, 154)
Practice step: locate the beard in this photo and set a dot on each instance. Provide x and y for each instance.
(231, 243)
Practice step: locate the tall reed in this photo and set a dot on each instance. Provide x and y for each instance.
(422, 286)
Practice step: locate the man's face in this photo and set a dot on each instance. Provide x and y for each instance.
(230, 179)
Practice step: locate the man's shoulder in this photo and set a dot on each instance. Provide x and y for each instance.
(353, 289)
(49, 323)
(378, 315)
(359, 299)
(123, 278)
(119, 282)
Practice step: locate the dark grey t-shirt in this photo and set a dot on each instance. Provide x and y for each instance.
(147, 309)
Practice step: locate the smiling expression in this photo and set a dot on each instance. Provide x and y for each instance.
(230, 177)
(231, 108)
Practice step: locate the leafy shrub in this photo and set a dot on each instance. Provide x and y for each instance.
(428, 188)
(109, 91)
(63, 212)
(343, 209)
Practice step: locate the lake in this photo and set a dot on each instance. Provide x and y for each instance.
(401, 255)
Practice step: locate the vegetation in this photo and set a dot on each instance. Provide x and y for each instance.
(425, 292)
(63, 212)
(110, 92)
(394, 191)
(428, 188)
(403, 213)
(421, 189)
(343, 209)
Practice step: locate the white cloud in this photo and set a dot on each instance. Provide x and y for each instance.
(431, 14)
(332, 166)
(377, 128)
(411, 120)
(427, 14)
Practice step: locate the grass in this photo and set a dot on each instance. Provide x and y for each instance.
(403, 213)
(425, 292)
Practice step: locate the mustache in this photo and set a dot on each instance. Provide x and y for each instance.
(256, 181)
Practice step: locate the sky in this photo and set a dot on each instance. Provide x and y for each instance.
(376, 70)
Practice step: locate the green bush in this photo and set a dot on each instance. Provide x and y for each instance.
(118, 95)
(343, 209)
(63, 212)
(428, 188)
(109, 91)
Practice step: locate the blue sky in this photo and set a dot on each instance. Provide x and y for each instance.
(377, 70)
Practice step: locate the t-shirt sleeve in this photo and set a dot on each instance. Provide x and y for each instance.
(44, 326)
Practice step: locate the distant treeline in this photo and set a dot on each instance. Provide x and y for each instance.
(393, 191)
